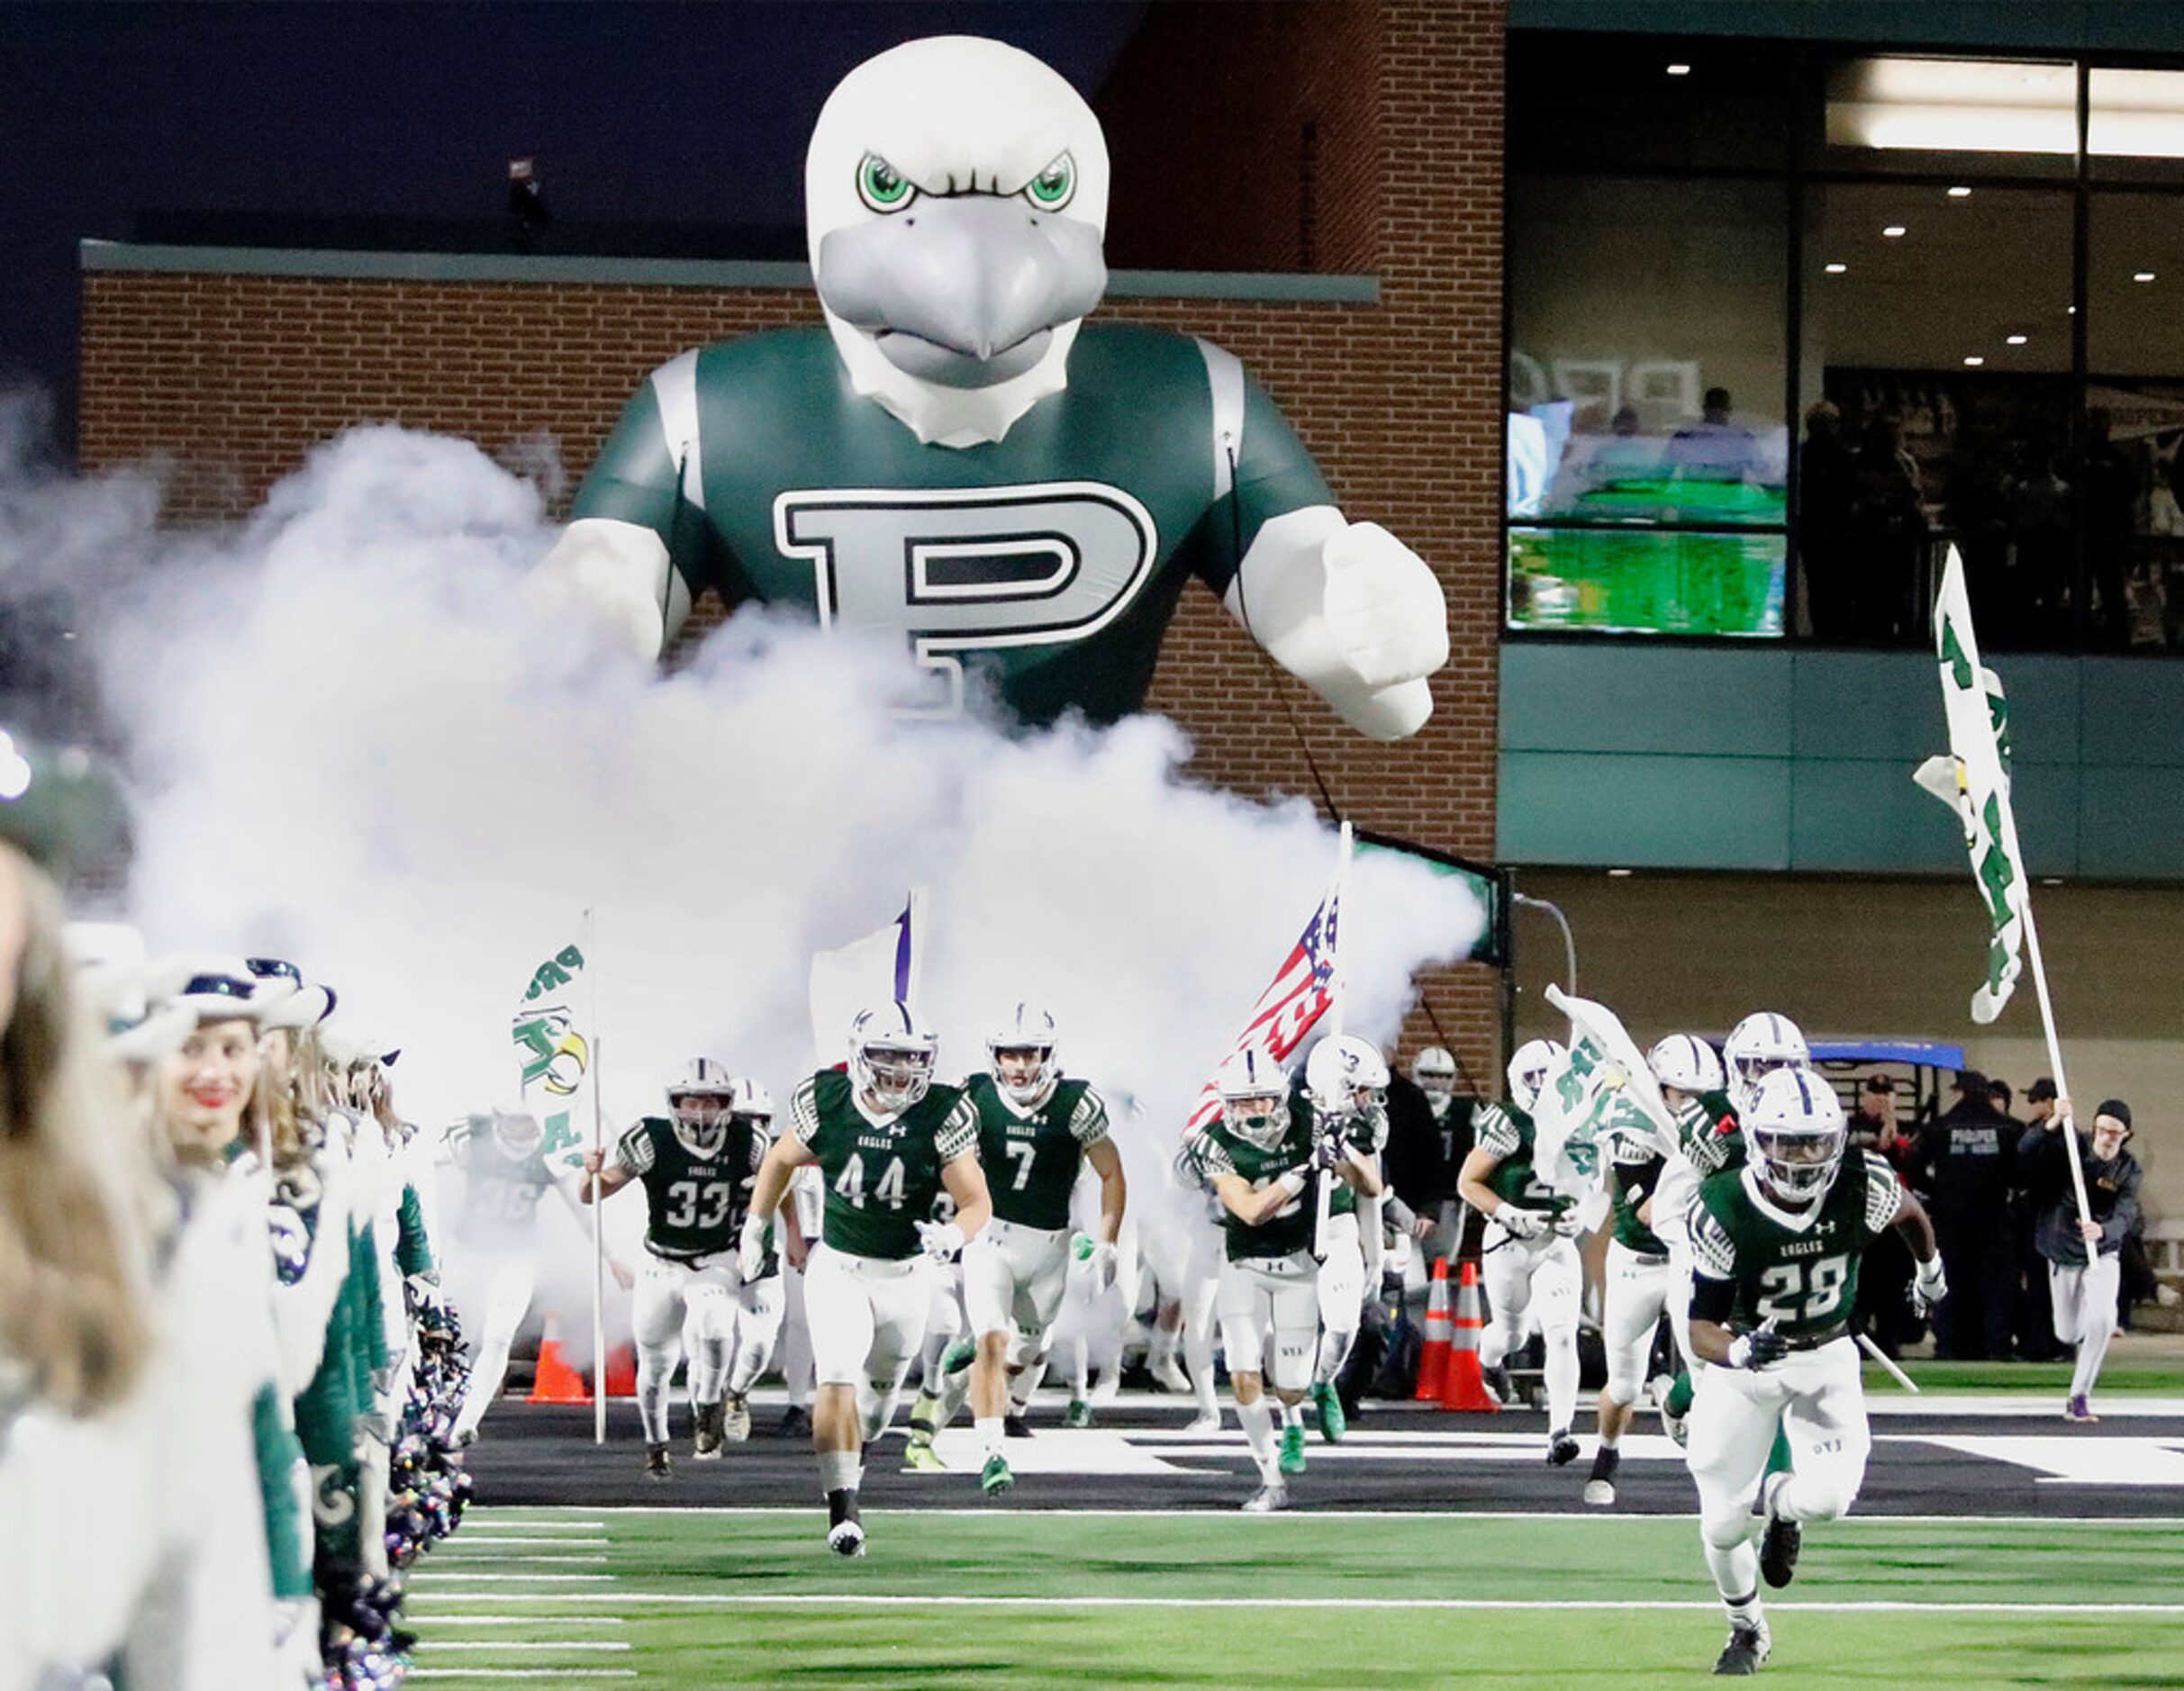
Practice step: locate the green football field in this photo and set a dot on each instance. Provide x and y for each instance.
(690, 1598)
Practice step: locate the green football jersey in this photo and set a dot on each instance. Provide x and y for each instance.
(1031, 1158)
(1712, 1134)
(1803, 1277)
(1506, 1132)
(694, 1206)
(1046, 564)
(1367, 1133)
(501, 1193)
(882, 1174)
(1634, 1171)
(1219, 1150)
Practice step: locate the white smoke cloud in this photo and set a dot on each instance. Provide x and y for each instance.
(356, 744)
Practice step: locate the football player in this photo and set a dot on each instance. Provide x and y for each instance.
(1260, 1159)
(1641, 1281)
(1776, 1245)
(1529, 1255)
(697, 1165)
(886, 1139)
(507, 1165)
(1345, 1094)
(1036, 1129)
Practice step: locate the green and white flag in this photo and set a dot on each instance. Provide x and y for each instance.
(1600, 1090)
(553, 1045)
(1973, 781)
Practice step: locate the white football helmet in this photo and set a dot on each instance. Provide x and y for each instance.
(1528, 1069)
(1026, 1028)
(699, 1103)
(1795, 1134)
(1348, 1073)
(892, 1055)
(1435, 1071)
(1687, 1063)
(746, 1098)
(1254, 1094)
(516, 1131)
(1760, 1044)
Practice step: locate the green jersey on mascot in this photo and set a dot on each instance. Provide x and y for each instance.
(957, 460)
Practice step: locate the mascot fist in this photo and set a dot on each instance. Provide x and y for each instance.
(1383, 608)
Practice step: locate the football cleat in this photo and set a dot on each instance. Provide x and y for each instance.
(1078, 1415)
(1599, 1485)
(1269, 1498)
(1746, 1648)
(921, 1458)
(958, 1356)
(1333, 1422)
(732, 1418)
(796, 1423)
(1170, 1376)
(1561, 1448)
(1292, 1450)
(995, 1478)
(1497, 1380)
(2078, 1410)
(1013, 1424)
(845, 1531)
(656, 1465)
(705, 1440)
(1779, 1545)
(1204, 1420)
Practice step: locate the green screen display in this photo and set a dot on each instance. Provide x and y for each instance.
(1647, 581)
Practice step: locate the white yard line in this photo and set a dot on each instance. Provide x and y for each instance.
(434, 1574)
(522, 1673)
(526, 1619)
(1597, 1516)
(445, 1560)
(849, 1601)
(433, 1646)
(468, 1537)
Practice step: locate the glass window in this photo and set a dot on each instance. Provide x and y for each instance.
(1934, 369)
(2134, 421)
(1612, 102)
(2134, 125)
(1905, 116)
(1647, 581)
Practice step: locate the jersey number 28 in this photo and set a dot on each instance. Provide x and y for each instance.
(1803, 1291)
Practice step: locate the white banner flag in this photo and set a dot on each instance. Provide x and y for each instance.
(878, 969)
(1973, 781)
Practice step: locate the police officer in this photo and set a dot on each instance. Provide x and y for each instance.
(1968, 1154)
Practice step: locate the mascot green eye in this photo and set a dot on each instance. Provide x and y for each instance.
(880, 185)
(1051, 188)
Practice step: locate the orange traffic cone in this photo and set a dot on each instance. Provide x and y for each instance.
(1432, 1360)
(556, 1381)
(1463, 1388)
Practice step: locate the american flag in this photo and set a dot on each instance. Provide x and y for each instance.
(1301, 992)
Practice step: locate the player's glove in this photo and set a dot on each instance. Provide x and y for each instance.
(1567, 1223)
(941, 1239)
(1100, 1261)
(750, 1249)
(1758, 1348)
(1929, 1285)
(1327, 1153)
(1521, 1224)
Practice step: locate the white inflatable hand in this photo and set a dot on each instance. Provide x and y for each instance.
(1385, 610)
(611, 573)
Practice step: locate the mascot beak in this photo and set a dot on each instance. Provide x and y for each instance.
(964, 290)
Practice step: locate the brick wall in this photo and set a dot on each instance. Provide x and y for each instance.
(234, 378)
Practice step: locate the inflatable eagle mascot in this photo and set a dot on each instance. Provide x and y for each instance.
(958, 460)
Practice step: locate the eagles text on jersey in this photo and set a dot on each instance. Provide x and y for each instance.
(1048, 562)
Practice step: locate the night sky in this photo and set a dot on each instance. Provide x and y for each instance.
(638, 112)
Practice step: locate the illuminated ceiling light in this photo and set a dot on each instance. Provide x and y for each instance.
(1893, 231)
(1954, 105)
(2013, 340)
(1679, 70)
(1618, 874)
(1959, 193)
(1975, 361)
(2136, 114)
(2141, 275)
(1836, 269)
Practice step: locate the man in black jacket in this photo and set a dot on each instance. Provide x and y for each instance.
(2084, 1257)
(1967, 1155)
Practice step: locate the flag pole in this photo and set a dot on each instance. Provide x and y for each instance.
(2054, 1053)
(1323, 1197)
(599, 1238)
